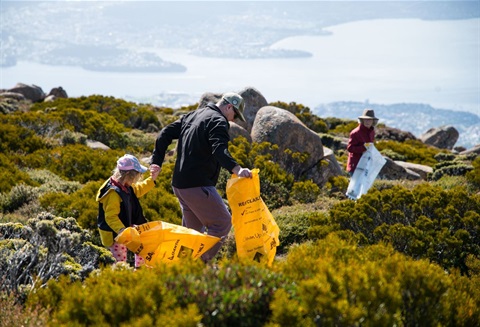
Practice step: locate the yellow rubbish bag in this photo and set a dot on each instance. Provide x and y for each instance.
(256, 232)
(158, 241)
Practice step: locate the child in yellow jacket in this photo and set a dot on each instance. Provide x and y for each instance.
(118, 204)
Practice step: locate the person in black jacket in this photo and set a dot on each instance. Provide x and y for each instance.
(202, 149)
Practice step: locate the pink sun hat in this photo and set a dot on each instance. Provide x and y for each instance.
(129, 162)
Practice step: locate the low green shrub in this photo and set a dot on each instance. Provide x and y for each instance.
(293, 229)
(17, 138)
(275, 182)
(233, 295)
(340, 284)
(337, 185)
(44, 249)
(140, 141)
(331, 141)
(450, 168)
(69, 137)
(49, 182)
(443, 156)
(473, 176)
(329, 282)
(341, 127)
(424, 222)
(97, 126)
(12, 175)
(80, 205)
(53, 123)
(393, 155)
(7, 106)
(19, 195)
(129, 114)
(25, 212)
(447, 182)
(305, 191)
(81, 163)
(413, 151)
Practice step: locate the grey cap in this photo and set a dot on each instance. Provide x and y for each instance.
(237, 102)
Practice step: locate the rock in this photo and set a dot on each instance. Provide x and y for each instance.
(237, 130)
(209, 97)
(12, 95)
(475, 149)
(284, 129)
(458, 149)
(97, 145)
(326, 168)
(55, 93)
(391, 171)
(49, 98)
(394, 134)
(443, 137)
(31, 92)
(254, 100)
(58, 92)
(421, 170)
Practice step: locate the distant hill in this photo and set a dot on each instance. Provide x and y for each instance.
(413, 117)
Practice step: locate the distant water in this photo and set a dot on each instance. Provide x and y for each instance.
(380, 61)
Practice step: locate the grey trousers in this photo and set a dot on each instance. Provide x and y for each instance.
(203, 210)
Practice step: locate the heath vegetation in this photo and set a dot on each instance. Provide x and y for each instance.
(405, 254)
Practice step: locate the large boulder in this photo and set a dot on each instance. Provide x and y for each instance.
(32, 92)
(209, 97)
(285, 130)
(443, 137)
(254, 100)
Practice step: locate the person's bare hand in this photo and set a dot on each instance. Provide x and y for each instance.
(242, 172)
(154, 171)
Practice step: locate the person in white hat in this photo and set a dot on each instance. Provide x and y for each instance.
(202, 149)
(118, 205)
(361, 137)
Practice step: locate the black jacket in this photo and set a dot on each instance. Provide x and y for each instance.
(201, 150)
